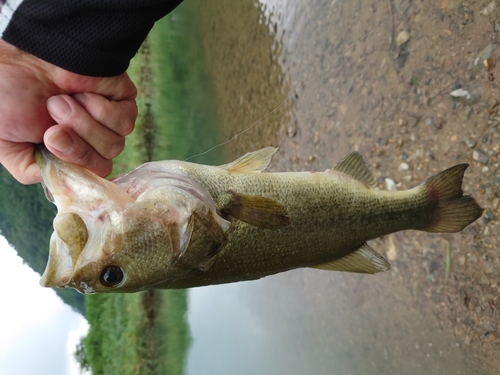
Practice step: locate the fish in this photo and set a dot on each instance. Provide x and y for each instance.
(176, 224)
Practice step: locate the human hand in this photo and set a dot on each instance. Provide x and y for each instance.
(82, 120)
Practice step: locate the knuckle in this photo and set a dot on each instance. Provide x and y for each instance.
(85, 158)
(106, 169)
(115, 149)
(126, 127)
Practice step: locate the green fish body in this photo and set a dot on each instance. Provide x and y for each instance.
(174, 224)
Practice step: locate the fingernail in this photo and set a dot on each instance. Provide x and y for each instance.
(80, 98)
(58, 107)
(61, 141)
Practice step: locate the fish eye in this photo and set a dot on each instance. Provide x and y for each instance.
(111, 276)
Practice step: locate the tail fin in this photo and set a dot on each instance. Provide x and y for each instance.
(453, 210)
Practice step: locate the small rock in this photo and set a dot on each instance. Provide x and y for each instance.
(392, 251)
(402, 38)
(497, 26)
(461, 260)
(464, 96)
(390, 184)
(291, 129)
(438, 122)
(473, 232)
(316, 137)
(495, 202)
(486, 11)
(412, 121)
(485, 53)
(489, 63)
(488, 215)
(480, 156)
(485, 169)
(469, 142)
(403, 167)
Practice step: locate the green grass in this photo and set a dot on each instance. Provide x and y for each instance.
(147, 333)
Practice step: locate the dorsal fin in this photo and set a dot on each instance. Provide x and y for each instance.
(355, 166)
(255, 161)
(363, 260)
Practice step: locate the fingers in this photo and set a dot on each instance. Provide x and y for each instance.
(67, 145)
(118, 116)
(116, 88)
(92, 134)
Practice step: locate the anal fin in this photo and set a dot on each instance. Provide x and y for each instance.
(363, 260)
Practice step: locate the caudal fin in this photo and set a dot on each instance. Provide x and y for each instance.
(453, 210)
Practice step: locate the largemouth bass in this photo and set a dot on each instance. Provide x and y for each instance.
(175, 224)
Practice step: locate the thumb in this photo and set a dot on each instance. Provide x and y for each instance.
(19, 160)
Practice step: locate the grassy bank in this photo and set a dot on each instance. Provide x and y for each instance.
(147, 333)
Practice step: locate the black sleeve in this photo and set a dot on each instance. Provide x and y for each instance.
(89, 37)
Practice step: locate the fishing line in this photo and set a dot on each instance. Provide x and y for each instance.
(303, 85)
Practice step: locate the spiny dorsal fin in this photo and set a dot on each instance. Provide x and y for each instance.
(363, 260)
(255, 161)
(355, 166)
(258, 211)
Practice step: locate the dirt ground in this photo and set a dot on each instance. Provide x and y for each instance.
(333, 76)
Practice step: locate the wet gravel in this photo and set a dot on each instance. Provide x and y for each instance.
(415, 93)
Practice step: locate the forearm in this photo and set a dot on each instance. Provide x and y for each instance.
(91, 38)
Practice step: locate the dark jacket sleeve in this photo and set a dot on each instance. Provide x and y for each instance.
(89, 37)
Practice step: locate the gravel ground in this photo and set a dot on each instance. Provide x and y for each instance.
(415, 93)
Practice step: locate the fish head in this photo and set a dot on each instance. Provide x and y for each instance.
(110, 236)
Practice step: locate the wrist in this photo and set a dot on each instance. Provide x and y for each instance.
(11, 55)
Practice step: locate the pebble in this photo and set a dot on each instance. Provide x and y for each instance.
(469, 142)
(488, 215)
(495, 202)
(291, 129)
(483, 55)
(479, 156)
(402, 38)
(403, 167)
(390, 184)
(486, 11)
(461, 260)
(464, 96)
(412, 121)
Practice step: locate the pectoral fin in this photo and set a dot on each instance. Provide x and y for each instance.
(204, 242)
(255, 161)
(258, 211)
(363, 260)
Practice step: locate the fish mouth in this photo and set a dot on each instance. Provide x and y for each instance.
(83, 201)
(59, 267)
